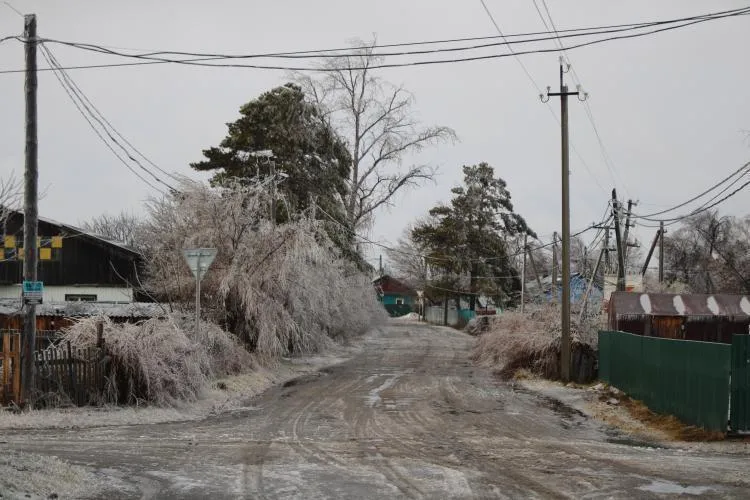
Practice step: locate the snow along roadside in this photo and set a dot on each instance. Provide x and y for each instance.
(226, 394)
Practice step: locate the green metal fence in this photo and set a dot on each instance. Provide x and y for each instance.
(683, 378)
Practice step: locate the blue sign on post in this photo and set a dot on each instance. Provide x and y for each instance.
(32, 292)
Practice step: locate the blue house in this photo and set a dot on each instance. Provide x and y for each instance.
(397, 298)
(578, 285)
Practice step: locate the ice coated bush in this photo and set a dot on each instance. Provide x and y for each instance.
(281, 288)
(162, 360)
(531, 341)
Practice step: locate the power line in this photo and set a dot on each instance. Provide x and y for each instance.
(586, 105)
(647, 216)
(704, 207)
(539, 90)
(202, 61)
(333, 53)
(82, 95)
(86, 115)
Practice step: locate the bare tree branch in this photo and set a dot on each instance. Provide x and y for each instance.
(376, 119)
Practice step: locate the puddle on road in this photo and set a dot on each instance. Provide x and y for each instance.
(670, 488)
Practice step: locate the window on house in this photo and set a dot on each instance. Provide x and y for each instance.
(79, 297)
(399, 302)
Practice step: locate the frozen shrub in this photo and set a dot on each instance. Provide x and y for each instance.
(530, 341)
(161, 360)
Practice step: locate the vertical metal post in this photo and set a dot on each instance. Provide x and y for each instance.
(565, 339)
(523, 275)
(661, 252)
(198, 296)
(30, 214)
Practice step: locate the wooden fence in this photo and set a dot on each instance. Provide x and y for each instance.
(64, 375)
(10, 368)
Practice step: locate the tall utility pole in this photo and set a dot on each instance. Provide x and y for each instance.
(30, 209)
(565, 338)
(523, 275)
(620, 246)
(661, 252)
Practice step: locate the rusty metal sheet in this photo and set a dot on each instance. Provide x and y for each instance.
(669, 304)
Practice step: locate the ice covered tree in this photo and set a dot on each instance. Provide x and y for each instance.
(281, 288)
(281, 132)
(709, 254)
(468, 237)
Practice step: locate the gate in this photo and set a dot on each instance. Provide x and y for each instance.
(10, 368)
(740, 385)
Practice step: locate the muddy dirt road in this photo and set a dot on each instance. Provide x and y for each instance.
(409, 417)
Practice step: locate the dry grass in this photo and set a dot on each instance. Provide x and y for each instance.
(529, 341)
(669, 424)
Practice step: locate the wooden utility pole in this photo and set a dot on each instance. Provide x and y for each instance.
(650, 252)
(661, 252)
(620, 246)
(565, 337)
(30, 209)
(523, 275)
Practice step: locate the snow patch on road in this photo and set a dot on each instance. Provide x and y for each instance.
(373, 398)
(670, 488)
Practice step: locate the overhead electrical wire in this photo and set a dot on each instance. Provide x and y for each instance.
(82, 104)
(745, 168)
(539, 90)
(586, 104)
(82, 95)
(671, 24)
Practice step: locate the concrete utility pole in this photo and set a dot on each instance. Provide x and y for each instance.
(30, 209)
(565, 340)
(661, 252)
(523, 275)
(620, 246)
(627, 230)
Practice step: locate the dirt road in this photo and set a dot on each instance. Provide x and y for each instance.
(408, 417)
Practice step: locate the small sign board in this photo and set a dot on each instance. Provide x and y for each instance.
(199, 260)
(32, 292)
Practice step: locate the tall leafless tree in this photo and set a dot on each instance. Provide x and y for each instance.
(123, 227)
(378, 122)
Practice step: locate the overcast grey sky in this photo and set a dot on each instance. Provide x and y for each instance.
(672, 108)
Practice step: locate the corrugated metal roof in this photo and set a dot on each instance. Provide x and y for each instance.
(9, 307)
(673, 304)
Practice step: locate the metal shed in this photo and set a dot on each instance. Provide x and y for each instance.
(707, 318)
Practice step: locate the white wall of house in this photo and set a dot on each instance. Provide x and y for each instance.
(59, 293)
